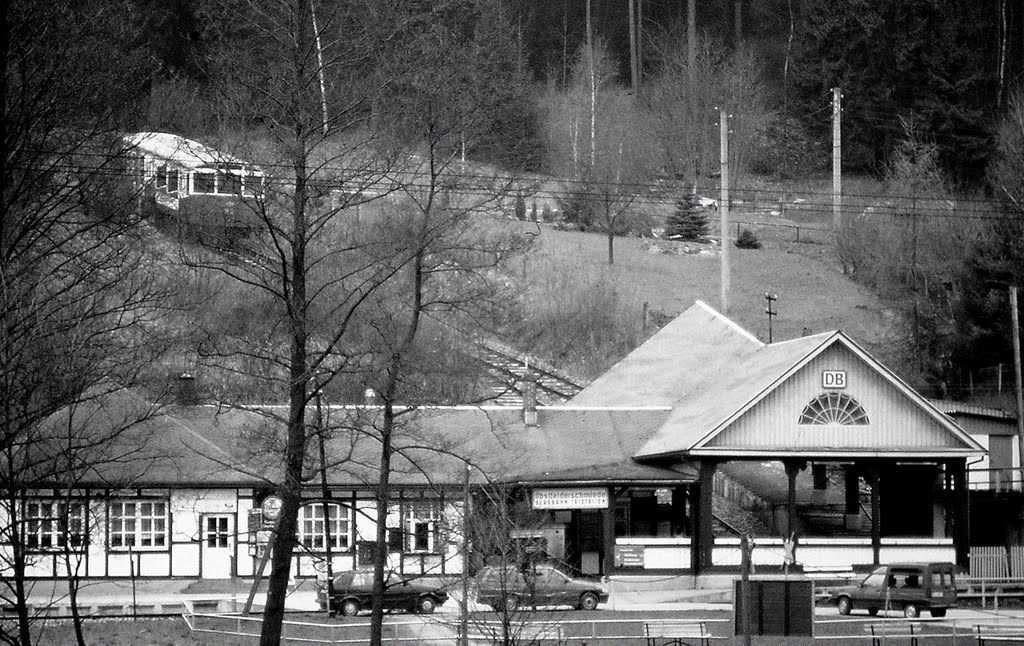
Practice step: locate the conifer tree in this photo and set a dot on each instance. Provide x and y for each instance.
(689, 221)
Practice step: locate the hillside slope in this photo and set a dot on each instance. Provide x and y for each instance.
(812, 295)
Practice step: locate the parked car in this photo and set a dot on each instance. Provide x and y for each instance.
(910, 587)
(541, 584)
(353, 591)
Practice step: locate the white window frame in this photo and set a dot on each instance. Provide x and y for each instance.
(426, 514)
(229, 178)
(42, 523)
(311, 527)
(141, 525)
(195, 176)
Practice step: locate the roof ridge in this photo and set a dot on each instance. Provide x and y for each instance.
(731, 323)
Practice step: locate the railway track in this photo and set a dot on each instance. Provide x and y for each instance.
(510, 369)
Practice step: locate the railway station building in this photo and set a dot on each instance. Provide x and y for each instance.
(703, 433)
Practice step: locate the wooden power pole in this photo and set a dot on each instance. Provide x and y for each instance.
(691, 39)
(723, 206)
(837, 165)
(634, 72)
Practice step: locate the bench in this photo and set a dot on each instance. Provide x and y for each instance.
(883, 632)
(493, 632)
(999, 633)
(677, 632)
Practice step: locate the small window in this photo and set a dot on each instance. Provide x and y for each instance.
(229, 183)
(421, 526)
(161, 176)
(217, 531)
(834, 409)
(313, 530)
(204, 182)
(139, 524)
(54, 525)
(172, 180)
(253, 184)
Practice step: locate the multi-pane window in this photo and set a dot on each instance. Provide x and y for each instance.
(229, 183)
(204, 182)
(313, 529)
(138, 524)
(54, 525)
(217, 534)
(421, 522)
(172, 180)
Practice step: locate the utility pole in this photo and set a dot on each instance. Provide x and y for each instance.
(837, 161)
(1015, 320)
(633, 69)
(691, 39)
(737, 18)
(771, 298)
(723, 206)
(639, 43)
(593, 91)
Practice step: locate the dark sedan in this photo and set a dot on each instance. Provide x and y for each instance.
(353, 591)
(538, 585)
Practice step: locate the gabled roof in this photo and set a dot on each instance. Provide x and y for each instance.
(185, 152)
(722, 395)
(677, 360)
(961, 408)
(676, 397)
(711, 372)
(210, 445)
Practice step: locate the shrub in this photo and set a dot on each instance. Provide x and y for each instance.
(520, 208)
(577, 210)
(747, 240)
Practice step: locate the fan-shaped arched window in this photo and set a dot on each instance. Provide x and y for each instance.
(832, 409)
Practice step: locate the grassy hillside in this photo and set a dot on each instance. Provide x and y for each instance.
(812, 292)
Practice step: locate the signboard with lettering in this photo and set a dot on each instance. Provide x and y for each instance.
(833, 379)
(629, 556)
(590, 498)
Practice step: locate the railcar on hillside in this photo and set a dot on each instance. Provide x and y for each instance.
(201, 193)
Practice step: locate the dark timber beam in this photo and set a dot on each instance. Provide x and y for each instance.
(703, 537)
(608, 529)
(876, 506)
(793, 467)
(961, 512)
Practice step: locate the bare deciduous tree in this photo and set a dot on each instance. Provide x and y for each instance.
(79, 294)
(366, 224)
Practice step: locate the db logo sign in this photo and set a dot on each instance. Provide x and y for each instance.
(833, 379)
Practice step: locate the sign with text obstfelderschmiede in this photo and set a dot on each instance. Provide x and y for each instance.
(588, 498)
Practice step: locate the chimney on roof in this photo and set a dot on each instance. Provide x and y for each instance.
(529, 390)
(186, 389)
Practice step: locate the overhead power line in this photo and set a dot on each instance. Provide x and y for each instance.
(650, 192)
